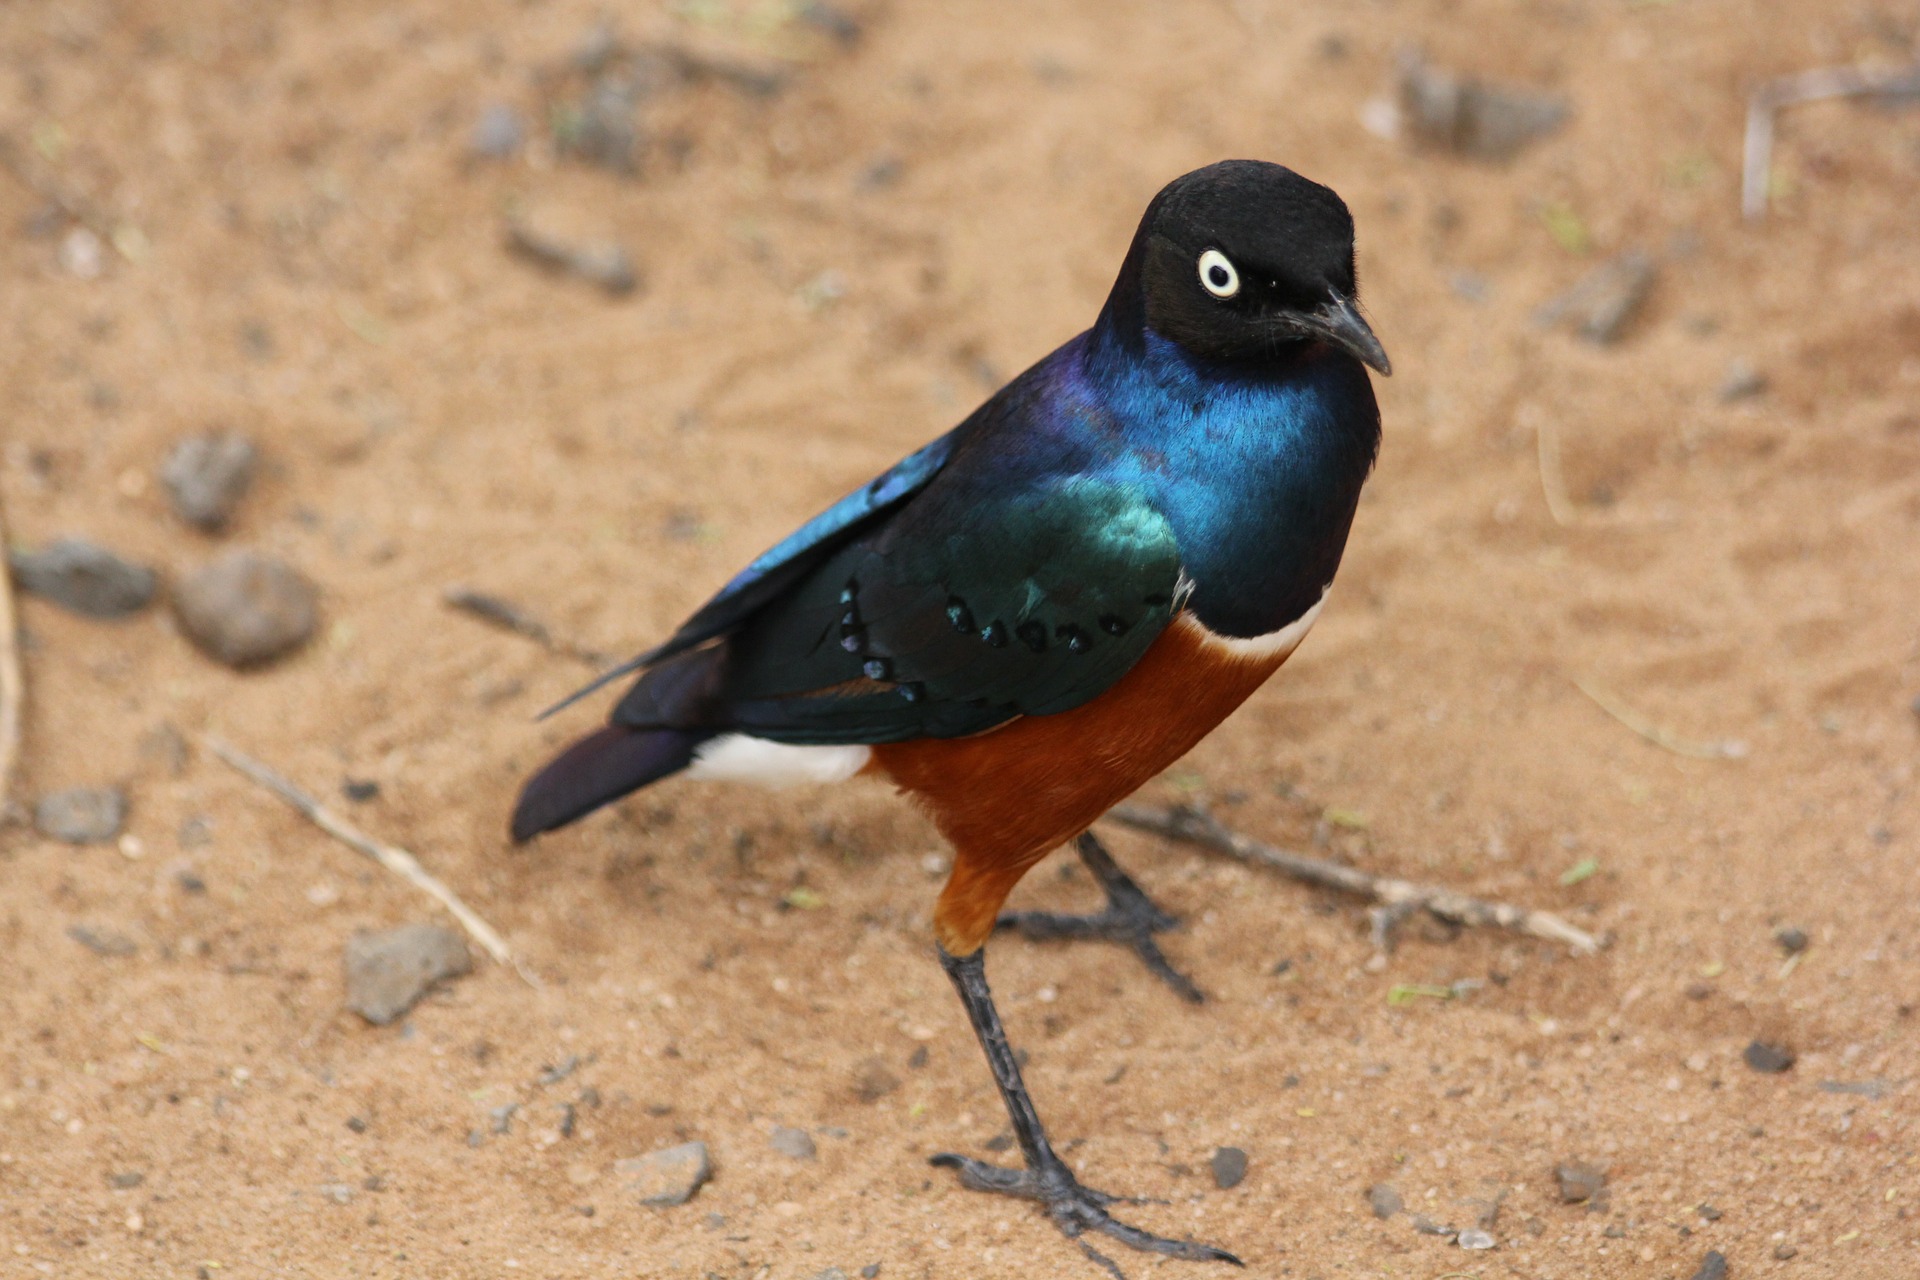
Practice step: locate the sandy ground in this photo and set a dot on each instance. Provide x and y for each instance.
(833, 275)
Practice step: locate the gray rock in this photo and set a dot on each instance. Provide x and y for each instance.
(102, 941)
(1474, 1238)
(1579, 1182)
(1603, 304)
(600, 262)
(247, 608)
(1712, 1267)
(1459, 113)
(666, 1177)
(337, 1193)
(796, 1143)
(1384, 1200)
(1229, 1165)
(207, 475)
(1792, 940)
(1771, 1059)
(388, 972)
(81, 815)
(498, 133)
(1742, 382)
(84, 577)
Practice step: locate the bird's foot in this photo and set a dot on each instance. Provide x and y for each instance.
(1131, 919)
(1076, 1210)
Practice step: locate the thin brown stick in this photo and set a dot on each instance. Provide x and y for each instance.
(1397, 898)
(12, 685)
(393, 858)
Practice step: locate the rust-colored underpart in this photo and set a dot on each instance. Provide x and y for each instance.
(1007, 798)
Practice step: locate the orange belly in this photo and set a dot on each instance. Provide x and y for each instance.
(1007, 798)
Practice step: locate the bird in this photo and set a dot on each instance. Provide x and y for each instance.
(1025, 620)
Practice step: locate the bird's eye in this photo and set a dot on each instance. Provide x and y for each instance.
(1218, 275)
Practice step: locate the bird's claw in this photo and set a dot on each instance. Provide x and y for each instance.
(1075, 1209)
(1131, 919)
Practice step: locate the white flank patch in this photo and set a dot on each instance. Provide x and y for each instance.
(1275, 644)
(739, 758)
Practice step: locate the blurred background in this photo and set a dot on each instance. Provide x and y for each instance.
(313, 315)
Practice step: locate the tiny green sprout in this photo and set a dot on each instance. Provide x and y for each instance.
(1581, 870)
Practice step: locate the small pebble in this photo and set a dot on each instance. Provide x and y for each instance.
(498, 133)
(666, 1177)
(360, 790)
(206, 476)
(1742, 382)
(1712, 1267)
(1459, 113)
(388, 972)
(1475, 1238)
(598, 262)
(1384, 1200)
(869, 1271)
(1792, 941)
(794, 1143)
(84, 577)
(1605, 302)
(1771, 1059)
(126, 1181)
(1785, 1252)
(872, 1081)
(247, 608)
(500, 1119)
(102, 942)
(337, 1192)
(81, 815)
(1579, 1181)
(1229, 1165)
(831, 1273)
(1710, 1213)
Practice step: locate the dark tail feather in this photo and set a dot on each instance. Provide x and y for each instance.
(601, 767)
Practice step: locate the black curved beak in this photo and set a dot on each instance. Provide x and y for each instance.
(1339, 322)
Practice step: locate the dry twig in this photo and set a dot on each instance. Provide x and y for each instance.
(1809, 86)
(12, 686)
(1726, 749)
(393, 858)
(1397, 899)
(506, 615)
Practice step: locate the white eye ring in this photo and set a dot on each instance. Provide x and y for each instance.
(1218, 275)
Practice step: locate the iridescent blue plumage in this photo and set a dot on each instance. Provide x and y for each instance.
(1181, 454)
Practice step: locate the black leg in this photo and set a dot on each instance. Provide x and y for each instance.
(1075, 1209)
(1130, 919)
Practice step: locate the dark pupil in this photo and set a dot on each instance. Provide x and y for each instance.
(1218, 275)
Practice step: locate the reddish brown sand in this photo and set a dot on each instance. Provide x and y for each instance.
(323, 270)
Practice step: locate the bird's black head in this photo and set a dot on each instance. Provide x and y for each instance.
(1240, 262)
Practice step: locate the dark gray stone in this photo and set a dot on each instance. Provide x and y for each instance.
(207, 475)
(1770, 1059)
(388, 972)
(667, 1177)
(247, 608)
(84, 577)
(81, 815)
(1712, 1267)
(1229, 1165)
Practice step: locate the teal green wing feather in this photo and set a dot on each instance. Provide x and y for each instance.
(1029, 603)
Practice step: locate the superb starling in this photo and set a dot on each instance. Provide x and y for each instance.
(1024, 621)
